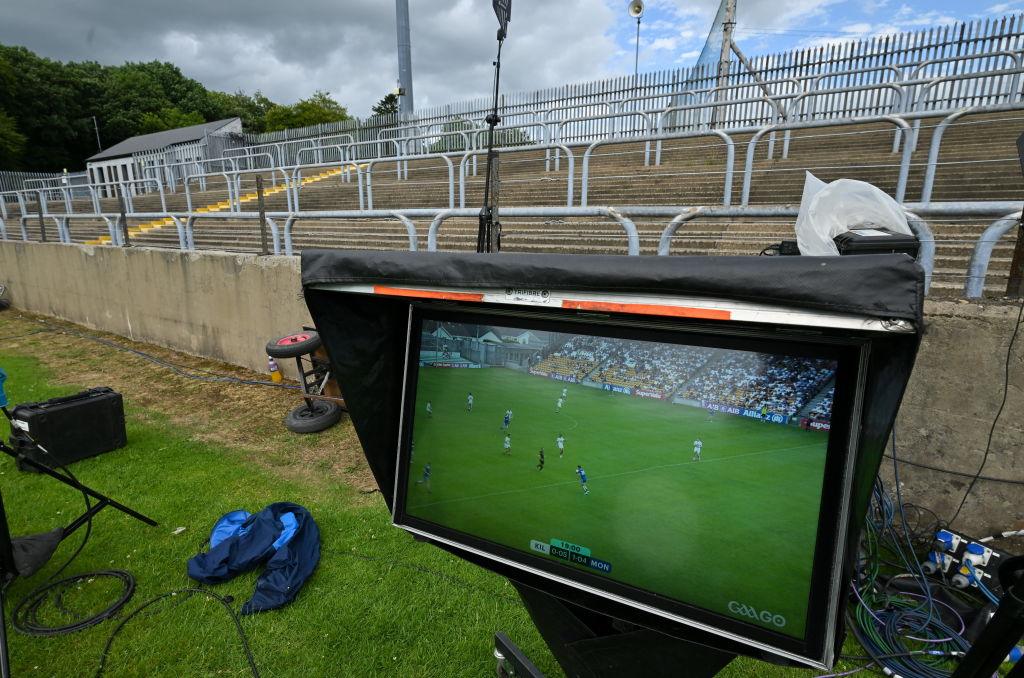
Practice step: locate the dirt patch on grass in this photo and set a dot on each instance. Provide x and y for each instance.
(247, 418)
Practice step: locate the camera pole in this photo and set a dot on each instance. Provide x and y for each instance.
(488, 238)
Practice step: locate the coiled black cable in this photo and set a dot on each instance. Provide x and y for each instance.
(26, 615)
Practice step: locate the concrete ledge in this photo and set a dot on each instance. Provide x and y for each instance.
(215, 305)
(226, 306)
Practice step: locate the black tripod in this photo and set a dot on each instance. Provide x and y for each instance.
(488, 238)
(1003, 631)
(8, 569)
(102, 501)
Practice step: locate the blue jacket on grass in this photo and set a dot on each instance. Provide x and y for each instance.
(283, 537)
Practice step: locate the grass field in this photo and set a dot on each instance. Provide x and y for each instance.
(693, 530)
(379, 604)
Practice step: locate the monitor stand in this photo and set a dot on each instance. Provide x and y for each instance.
(593, 645)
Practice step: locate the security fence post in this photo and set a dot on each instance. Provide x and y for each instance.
(263, 215)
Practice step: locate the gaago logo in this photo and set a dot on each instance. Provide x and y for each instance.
(763, 616)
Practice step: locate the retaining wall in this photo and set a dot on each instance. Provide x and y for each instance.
(226, 306)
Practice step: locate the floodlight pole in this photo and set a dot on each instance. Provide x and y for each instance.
(488, 237)
(636, 55)
(728, 23)
(405, 99)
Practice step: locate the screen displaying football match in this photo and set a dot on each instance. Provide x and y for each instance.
(691, 472)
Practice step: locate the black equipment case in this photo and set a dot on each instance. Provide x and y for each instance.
(70, 428)
(876, 241)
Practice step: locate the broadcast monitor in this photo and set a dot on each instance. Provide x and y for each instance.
(692, 471)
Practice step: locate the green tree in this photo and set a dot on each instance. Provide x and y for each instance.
(251, 109)
(317, 109)
(12, 142)
(389, 104)
(49, 106)
(168, 118)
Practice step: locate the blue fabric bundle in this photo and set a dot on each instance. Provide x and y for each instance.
(283, 537)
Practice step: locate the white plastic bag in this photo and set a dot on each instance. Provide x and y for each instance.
(826, 210)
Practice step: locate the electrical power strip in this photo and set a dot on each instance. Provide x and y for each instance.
(964, 562)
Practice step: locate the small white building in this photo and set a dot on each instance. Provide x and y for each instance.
(138, 157)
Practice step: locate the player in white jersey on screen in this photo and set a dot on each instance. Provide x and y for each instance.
(698, 446)
(560, 442)
(508, 444)
(558, 405)
(469, 402)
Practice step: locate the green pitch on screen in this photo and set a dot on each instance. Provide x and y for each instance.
(733, 533)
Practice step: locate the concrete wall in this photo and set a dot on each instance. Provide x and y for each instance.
(226, 306)
(953, 397)
(216, 305)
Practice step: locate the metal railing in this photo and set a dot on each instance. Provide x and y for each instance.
(570, 173)
(678, 216)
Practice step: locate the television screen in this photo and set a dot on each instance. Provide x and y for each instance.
(695, 473)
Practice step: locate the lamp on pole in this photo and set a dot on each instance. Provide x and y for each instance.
(636, 10)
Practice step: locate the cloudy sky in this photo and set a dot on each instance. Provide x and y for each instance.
(347, 47)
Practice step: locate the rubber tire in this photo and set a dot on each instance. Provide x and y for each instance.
(325, 414)
(293, 350)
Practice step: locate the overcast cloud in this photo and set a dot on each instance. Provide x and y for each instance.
(347, 47)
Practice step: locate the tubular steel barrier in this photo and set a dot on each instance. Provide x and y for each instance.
(632, 236)
(403, 217)
(293, 202)
(904, 167)
(1008, 211)
(202, 179)
(729, 158)
(977, 267)
(428, 156)
(926, 254)
(570, 174)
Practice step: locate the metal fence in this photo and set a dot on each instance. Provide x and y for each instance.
(15, 181)
(814, 75)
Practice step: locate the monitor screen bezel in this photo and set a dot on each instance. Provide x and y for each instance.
(850, 350)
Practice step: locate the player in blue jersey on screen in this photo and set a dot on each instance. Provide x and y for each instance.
(425, 480)
(506, 420)
(583, 479)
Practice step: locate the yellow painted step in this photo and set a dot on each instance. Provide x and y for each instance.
(215, 207)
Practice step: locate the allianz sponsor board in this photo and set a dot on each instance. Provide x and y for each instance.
(617, 389)
(444, 364)
(773, 417)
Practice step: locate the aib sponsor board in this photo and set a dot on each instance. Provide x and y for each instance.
(773, 417)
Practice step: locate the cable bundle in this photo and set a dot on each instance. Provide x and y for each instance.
(906, 633)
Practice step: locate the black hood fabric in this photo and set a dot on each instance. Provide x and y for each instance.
(365, 338)
(875, 285)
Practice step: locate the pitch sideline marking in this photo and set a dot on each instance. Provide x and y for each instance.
(613, 475)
